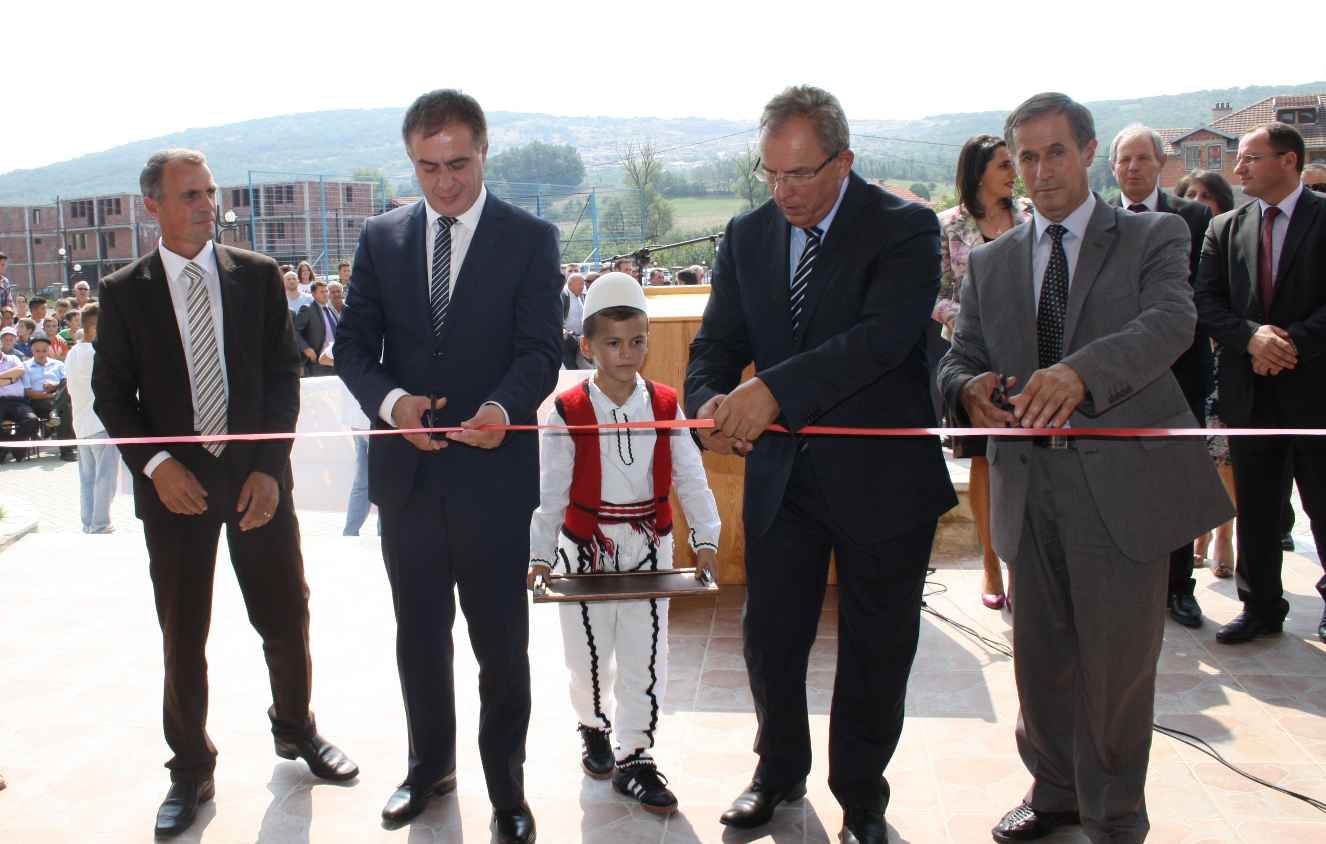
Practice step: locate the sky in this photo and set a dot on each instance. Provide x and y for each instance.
(87, 76)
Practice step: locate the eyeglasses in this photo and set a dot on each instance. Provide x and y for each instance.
(792, 177)
(1253, 158)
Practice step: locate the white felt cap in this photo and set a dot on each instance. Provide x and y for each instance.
(614, 290)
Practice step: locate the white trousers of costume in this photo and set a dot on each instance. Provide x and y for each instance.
(617, 651)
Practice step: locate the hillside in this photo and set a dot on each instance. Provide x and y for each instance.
(337, 143)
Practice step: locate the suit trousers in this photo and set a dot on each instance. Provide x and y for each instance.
(879, 612)
(270, 570)
(1088, 624)
(444, 541)
(1264, 471)
(1193, 381)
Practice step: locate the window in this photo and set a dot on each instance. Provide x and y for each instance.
(290, 194)
(1192, 157)
(276, 231)
(80, 240)
(239, 198)
(1287, 116)
(107, 241)
(80, 208)
(36, 216)
(245, 232)
(1213, 156)
(1307, 115)
(349, 194)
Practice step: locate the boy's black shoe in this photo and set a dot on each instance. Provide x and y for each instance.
(596, 752)
(637, 776)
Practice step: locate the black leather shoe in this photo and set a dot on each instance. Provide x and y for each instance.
(1287, 542)
(863, 826)
(324, 759)
(1321, 628)
(181, 806)
(755, 806)
(1184, 609)
(1247, 626)
(1024, 823)
(513, 826)
(406, 802)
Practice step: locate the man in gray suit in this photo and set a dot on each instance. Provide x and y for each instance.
(1081, 315)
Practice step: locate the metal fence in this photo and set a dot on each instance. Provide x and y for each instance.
(593, 223)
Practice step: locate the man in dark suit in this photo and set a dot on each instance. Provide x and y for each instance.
(194, 338)
(1137, 155)
(1082, 313)
(315, 328)
(827, 289)
(1261, 295)
(455, 298)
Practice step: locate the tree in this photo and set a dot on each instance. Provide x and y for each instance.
(640, 164)
(749, 189)
(921, 189)
(538, 163)
(378, 178)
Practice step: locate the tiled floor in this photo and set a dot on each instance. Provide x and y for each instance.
(81, 746)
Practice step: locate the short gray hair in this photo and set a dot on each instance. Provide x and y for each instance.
(336, 285)
(816, 105)
(1157, 142)
(1079, 117)
(149, 181)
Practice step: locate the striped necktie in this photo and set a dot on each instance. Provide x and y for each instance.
(439, 292)
(209, 411)
(800, 278)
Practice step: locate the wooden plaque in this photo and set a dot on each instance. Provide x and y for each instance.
(621, 586)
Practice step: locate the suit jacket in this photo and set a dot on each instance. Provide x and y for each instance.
(311, 329)
(1130, 315)
(141, 382)
(1230, 307)
(501, 342)
(860, 359)
(1193, 368)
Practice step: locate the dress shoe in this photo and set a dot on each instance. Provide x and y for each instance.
(1184, 609)
(1248, 625)
(863, 826)
(324, 759)
(1321, 628)
(69, 455)
(513, 826)
(181, 806)
(755, 806)
(1287, 542)
(407, 801)
(992, 601)
(1024, 823)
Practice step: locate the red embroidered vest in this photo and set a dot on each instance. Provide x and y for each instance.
(587, 508)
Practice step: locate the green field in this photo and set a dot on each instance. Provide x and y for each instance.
(707, 213)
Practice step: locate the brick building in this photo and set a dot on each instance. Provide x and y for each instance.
(1214, 146)
(318, 220)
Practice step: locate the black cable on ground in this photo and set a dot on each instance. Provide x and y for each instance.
(1196, 742)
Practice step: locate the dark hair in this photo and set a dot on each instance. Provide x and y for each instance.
(36, 301)
(687, 276)
(286, 268)
(1285, 138)
(434, 111)
(149, 180)
(1079, 117)
(621, 313)
(3, 257)
(975, 157)
(317, 285)
(1213, 182)
(299, 271)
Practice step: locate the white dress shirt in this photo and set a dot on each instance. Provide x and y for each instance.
(1280, 227)
(1151, 202)
(623, 482)
(178, 285)
(575, 312)
(462, 233)
(1076, 223)
(78, 371)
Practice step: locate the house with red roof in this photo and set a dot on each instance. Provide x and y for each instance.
(1214, 146)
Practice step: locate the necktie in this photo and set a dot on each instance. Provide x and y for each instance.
(439, 295)
(1138, 208)
(1265, 269)
(1053, 306)
(802, 276)
(209, 412)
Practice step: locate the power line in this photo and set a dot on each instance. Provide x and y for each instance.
(908, 140)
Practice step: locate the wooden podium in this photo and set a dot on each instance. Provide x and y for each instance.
(674, 319)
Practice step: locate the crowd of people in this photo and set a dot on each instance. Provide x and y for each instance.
(1053, 312)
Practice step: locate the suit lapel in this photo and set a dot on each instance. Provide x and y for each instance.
(415, 295)
(833, 256)
(1102, 231)
(777, 282)
(1163, 205)
(482, 252)
(1247, 242)
(159, 309)
(232, 304)
(1021, 295)
(1305, 215)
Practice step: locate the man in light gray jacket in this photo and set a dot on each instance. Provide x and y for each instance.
(1080, 315)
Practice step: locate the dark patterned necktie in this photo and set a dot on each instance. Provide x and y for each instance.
(1265, 267)
(1138, 208)
(1053, 307)
(439, 291)
(802, 276)
(209, 414)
